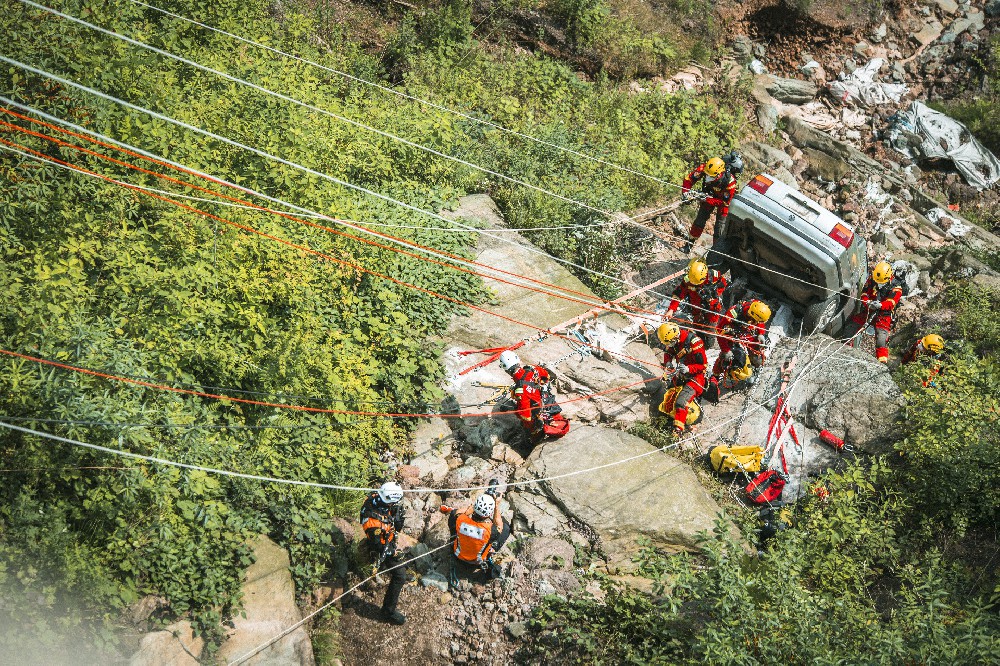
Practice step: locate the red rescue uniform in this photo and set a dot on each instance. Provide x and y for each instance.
(529, 383)
(706, 302)
(736, 327)
(688, 351)
(878, 306)
(720, 191)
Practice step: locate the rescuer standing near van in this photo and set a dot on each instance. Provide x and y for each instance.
(719, 188)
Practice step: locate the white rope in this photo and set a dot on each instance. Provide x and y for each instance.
(472, 165)
(317, 109)
(221, 472)
(263, 646)
(413, 98)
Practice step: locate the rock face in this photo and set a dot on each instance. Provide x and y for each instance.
(792, 91)
(175, 645)
(579, 373)
(269, 606)
(656, 496)
(854, 397)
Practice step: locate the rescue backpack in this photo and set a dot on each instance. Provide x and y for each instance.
(472, 539)
(727, 459)
(766, 487)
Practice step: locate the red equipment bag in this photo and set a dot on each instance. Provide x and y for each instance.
(765, 487)
(828, 437)
(557, 426)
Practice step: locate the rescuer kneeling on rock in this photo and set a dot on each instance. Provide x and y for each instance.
(532, 393)
(477, 532)
(687, 351)
(743, 325)
(381, 518)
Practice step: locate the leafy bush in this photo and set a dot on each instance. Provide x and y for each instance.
(110, 279)
(840, 587)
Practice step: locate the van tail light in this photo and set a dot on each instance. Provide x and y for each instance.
(842, 235)
(760, 184)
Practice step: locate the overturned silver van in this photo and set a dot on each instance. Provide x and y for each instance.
(786, 245)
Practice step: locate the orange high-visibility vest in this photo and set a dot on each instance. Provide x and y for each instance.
(472, 539)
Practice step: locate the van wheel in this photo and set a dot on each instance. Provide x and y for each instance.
(819, 315)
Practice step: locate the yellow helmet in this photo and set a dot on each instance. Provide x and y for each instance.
(882, 272)
(740, 374)
(933, 343)
(697, 271)
(668, 332)
(715, 166)
(759, 311)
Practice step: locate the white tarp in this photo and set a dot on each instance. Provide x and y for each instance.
(860, 88)
(923, 133)
(820, 116)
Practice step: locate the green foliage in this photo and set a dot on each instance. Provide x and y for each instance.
(838, 588)
(949, 435)
(111, 279)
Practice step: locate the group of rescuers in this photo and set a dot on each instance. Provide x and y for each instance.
(479, 530)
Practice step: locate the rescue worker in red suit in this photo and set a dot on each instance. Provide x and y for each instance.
(687, 351)
(930, 345)
(719, 188)
(532, 395)
(477, 533)
(879, 299)
(703, 289)
(744, 325)
(381, 518)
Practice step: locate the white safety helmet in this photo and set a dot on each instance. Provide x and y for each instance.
(485, 506)
(390, 492)
(509, 361)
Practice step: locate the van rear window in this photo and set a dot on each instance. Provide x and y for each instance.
(800, 208)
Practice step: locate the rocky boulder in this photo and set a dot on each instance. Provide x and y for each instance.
(792, 91)
(175, 645)
(575, 373)
(679, 508)
(547, 553)
(268, 609)
(852, 395)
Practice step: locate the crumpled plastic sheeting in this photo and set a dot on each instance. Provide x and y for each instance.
(861, 89)
(823, 118)
(952, 226)
(923, 133)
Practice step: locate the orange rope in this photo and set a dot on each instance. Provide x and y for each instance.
(293, 217)
(303, 248)
(298, 408)
(688, 323)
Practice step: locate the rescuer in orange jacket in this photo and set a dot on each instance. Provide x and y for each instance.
(532, 394)
(381, 518)
(687, 351)
(703, 288)
(477, 533)
(879, 299)
(719, 188)
(743, 324)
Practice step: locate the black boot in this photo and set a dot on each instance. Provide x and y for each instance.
(393, 616)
